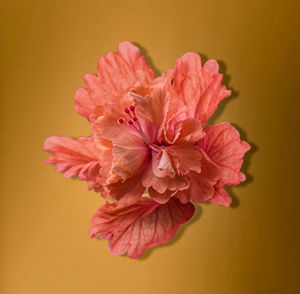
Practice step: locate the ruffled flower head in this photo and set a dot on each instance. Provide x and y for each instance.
(150, 153)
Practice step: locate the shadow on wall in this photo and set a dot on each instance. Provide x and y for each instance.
(211, 121)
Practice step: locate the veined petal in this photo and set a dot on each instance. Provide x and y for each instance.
(117, 74)
(202, 185)
(186, 157)
(153, 109)
(199, 88)
(188, 130)
(130, 154)
(135, 228)
(127, 192)
(161, 185)
(221, 196)
(107, 127)
(162, 164)
(223, 146)
(161, 198)
(74, 157)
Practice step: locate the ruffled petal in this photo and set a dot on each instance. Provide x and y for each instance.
(199, 88)
(221, 196)
(130, 155)
(135, 228)
(188, 130)
(153, 108)
(186, 157)
(162, 165)
(128, 192)
(74, 157)
(117, 74)
(224, 147)
(202, 184)
(162, 184)
(161, 198)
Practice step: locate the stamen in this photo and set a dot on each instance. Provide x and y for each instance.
(133, 121)
(121, 120)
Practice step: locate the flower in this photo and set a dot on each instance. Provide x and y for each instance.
(149, 134)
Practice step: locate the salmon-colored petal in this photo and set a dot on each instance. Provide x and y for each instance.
(224, 147)
(107, 127)
(117, 74)
(188, 130)
(202, 184)
(221, 196)
(162, 165)
(130, 154)
(162, 184)
(186, 157)
(74, 157)
(135, 228)
(152, 107)
(198, 87)
(161, 198)
(127, 192)
(183, 196)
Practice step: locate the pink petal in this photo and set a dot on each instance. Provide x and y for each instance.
(128, 192)
(186, 157)
(220, 196)
(202, 185)
(161, 184)
(162, 165)
(199, 88)
(161, 198)
(130, 154)
(117, 74)
(188, 130)
(135, 228)
(74, 157)
(224, 147)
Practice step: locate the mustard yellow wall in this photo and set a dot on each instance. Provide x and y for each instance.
(47, 46)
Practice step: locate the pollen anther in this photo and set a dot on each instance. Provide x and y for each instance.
(121, 120)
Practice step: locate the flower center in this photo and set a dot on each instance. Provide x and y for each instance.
(133, 122)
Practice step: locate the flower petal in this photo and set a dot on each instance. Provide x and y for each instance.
(161, 184)
(221, 196)
(74, 157)
(223, 145)
(135, 228)
(161, 198)
(162, 165)
(117, 74)
(199, 88)
(188, 130)
(130, 154)
(202, 185)
(128, 192)
(186, 157)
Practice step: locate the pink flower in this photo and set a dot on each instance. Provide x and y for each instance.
(149, 134)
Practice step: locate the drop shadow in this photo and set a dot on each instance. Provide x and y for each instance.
(245, 166)
(148, 59)
(178, 235)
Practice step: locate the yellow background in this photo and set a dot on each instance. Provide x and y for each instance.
(47, 46)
